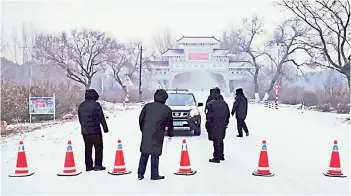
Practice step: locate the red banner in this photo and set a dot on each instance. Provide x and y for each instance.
(198, 56)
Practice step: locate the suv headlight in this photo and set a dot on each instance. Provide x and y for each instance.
(194, 112)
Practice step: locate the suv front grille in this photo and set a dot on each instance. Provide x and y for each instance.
(180, 114)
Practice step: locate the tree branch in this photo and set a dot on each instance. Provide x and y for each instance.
(80, 54)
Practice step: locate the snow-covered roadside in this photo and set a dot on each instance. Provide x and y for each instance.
(343, 118)
(299, 145)
(20, 128)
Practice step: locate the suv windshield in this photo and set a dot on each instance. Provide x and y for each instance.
(180, 99)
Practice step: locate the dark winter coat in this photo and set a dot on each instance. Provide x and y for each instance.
(213, 91)
(153, 120)
(217, 118)
(90, 114)
(240, 105)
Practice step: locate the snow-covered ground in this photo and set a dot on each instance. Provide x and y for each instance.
(299, 149)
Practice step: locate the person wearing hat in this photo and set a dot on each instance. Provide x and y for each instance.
(90, 117)
(153, 120)
(217, 120)
(213, 93)
(240, 111)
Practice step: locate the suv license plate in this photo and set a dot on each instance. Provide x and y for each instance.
(178, 123)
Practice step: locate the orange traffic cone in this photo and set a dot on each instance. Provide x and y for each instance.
(119, 167)
(185, 168)
(335, 165)
(69, 166)
(263, 164)
(21, 165)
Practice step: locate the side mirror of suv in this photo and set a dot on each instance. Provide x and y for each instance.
(200, 104)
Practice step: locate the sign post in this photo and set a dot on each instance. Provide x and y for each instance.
(276, 88)
(42, 105)
(126, 101)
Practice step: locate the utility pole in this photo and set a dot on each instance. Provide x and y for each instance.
(25, 60)
(141, 63)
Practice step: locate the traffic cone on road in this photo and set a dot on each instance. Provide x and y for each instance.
(335, 165)
(21, 165)
(69, 168)
(185, 168)
(119, 168)
(263, 164)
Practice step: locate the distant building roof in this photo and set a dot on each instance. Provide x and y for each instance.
(173, 52)
(180, 52)
(158, 63)
(221, 52)
(233, 64)
(198, 39)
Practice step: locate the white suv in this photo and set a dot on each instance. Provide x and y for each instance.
(185, 112)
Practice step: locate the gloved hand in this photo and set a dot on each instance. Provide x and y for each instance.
(106, 131)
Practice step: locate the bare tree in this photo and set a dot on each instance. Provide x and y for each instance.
(288, 74)
(241, 41)
(80, 54)
(3, 46)
(134, 66)
(163, 41)
(25, 44)
(330, 21)
(21, 44)
(118, 57)
(286, 40)
(14, 46)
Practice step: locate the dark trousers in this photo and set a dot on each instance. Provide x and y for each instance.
(218, 149)
(90, 141)
(143, 163)
(240, 123)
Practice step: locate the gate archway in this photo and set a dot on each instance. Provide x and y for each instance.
(199, 80)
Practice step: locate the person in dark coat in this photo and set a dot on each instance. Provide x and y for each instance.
(217, 120)
(240, 110)
(213, 91)
(153, 120)
(90, 117)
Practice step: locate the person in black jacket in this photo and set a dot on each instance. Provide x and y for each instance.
(90, 116)
(213, 91)
(240, 110)
(217, 120)
(153, 120)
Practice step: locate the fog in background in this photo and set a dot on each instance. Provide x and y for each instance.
(201, 80)
(133, 19)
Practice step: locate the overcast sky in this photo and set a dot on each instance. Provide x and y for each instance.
(136, 19)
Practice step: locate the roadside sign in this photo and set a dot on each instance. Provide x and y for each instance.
(276, 86)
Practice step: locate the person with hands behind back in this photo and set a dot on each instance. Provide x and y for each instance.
(153, 120)
(90, 117)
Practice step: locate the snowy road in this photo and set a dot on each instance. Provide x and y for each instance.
(299, 149)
